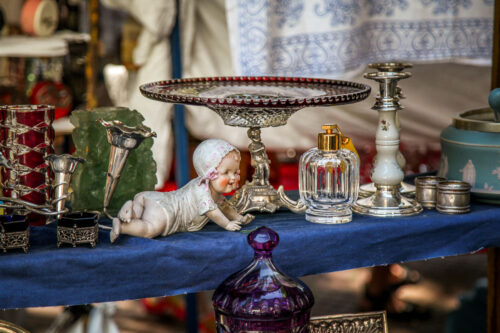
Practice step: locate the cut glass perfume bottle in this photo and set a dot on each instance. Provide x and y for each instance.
(329, 178)
(260, 298)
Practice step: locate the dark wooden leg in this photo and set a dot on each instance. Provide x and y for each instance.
(494, 253)
(493, 290)
(191, 313)
(495, 61)
(92, 53)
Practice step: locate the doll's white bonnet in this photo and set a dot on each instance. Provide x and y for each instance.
(208, 155)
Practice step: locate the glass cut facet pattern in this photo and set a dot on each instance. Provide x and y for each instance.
(260, 101)
(260, 298)
(328, 183)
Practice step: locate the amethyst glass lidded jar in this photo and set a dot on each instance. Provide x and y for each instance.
(260, 298)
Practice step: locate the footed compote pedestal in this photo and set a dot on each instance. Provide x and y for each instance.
(406, 189)
(254, 103)
(387, 174)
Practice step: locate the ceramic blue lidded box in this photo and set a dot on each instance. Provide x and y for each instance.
(470, 151)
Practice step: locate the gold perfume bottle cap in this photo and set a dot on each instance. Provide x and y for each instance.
(330, 140)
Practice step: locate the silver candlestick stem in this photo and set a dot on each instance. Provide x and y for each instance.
(406, 189)
(63, 167)
(387, 174)
(123, 139)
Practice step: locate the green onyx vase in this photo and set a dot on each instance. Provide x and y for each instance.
(91, 144)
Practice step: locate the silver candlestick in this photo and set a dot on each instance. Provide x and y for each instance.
(123, 139)
(387, 174)
(406, 189)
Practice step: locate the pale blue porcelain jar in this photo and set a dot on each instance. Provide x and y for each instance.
(470, 151)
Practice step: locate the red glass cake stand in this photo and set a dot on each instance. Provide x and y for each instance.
(254, 103)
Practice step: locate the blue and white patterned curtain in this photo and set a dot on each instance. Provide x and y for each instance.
(326, 38)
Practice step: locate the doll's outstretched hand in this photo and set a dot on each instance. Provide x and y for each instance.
(245, 219)
(233, 226)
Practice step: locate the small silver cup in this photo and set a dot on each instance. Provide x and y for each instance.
(453, 197)
(426, 189)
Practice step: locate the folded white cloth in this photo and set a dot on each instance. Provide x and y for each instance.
(25, 46)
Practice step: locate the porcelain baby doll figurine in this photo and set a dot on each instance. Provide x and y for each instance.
(151, 214)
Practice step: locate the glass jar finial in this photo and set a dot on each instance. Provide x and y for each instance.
(263, 239)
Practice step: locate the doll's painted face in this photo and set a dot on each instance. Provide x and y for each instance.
(228, 173)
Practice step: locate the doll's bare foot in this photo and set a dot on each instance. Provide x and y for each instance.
(115, 230)
(125, 213)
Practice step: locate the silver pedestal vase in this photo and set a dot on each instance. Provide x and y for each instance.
(123, 139)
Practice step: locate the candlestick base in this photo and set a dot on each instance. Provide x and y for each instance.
(408, 190)
(387, 201)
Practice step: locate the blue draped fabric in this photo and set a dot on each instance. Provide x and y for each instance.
(328, 38)
(133, 268)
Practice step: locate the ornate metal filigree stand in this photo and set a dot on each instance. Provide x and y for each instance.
(77, 235)
(259, 194)
(369, 322)
(14, 233)
(78, 228)
(15, 240)
(123, 139)
(387, 174)
(406, 189)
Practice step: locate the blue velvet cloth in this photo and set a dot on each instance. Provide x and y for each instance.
(134, 267)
